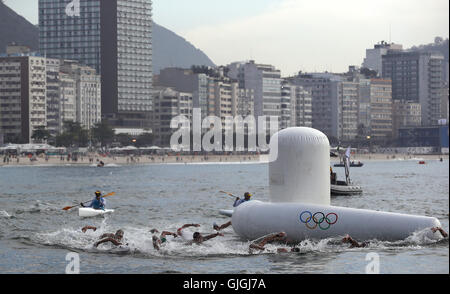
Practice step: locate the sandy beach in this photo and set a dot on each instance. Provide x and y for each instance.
(188, 159)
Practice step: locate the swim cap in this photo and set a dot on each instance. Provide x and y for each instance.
(98, 193)
(247, 194)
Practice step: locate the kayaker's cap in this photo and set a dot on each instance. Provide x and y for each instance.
(98, 193)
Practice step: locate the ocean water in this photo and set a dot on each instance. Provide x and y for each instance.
(36, 234)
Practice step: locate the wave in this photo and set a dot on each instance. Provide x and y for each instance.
(138, 242)
(5, 214)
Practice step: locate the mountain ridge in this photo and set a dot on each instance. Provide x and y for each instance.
(169, 49)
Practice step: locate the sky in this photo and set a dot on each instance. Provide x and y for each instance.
(293, 35)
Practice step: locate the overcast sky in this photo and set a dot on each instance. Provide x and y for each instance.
(293, 35)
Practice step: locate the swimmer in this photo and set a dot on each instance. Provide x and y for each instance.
(158, 241)
(198, 238)
(272, 238)
(115, 239)
(353, 243)
(180, 230)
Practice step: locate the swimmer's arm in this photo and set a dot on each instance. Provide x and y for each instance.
(165, 233)
(212, 236)
(443, 233)
(257, 246)
(88, 228)
(271, 238)
(186, 226)
(107, 236)
(108, 240)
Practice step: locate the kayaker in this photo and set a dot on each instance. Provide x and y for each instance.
(98, 202)
(239, 201)
(281, 236)
(116, 238)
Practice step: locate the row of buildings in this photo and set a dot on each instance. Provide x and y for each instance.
(44, 92)
(95, 62)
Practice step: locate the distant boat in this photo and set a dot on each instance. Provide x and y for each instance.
(422, 162)
(352, 164)
(341, 188)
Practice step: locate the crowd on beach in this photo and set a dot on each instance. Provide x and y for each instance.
(95, 158)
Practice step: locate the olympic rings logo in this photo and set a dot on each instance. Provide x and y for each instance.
(318, 219)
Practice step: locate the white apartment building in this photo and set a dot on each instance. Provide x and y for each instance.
(349, 96)
(22, 97)
(265, 81)
(88, 93)
(168, 104)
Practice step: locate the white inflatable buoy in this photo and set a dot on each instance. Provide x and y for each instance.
(254, 219)
(299, 176)
(300, 172)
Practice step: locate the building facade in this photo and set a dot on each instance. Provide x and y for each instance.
(326, 109)
(381, 110)
(114, 38)
(23, 86)
(417, 77)
(405, 114)
(374, 57)
(169, 104)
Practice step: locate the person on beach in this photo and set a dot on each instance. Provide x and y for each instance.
(239, 201)
(116, 239)
(98, 202)
(281, 236)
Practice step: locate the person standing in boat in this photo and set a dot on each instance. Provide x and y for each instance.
(98, 202)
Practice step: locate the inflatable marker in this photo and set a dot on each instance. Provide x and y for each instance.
(300, 199)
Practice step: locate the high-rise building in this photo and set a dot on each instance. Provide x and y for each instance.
(326, 108)
(417, 77)
(348, 119)
(264, 80)
(300, 103)
(381, 121)
(23, 86)
(168, 104)
(405, 114)
(87, 92)
(115, 38)
(374, 57)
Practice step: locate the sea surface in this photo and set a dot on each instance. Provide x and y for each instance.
(36, 234)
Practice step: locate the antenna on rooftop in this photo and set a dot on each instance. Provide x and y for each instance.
(390, 33)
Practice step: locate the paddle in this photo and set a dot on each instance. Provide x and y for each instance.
(229, 194)
(70, 207)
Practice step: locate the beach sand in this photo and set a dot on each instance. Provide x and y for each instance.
(188, 159)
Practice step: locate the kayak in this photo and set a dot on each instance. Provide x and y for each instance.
(226, 212)
(90, 212)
